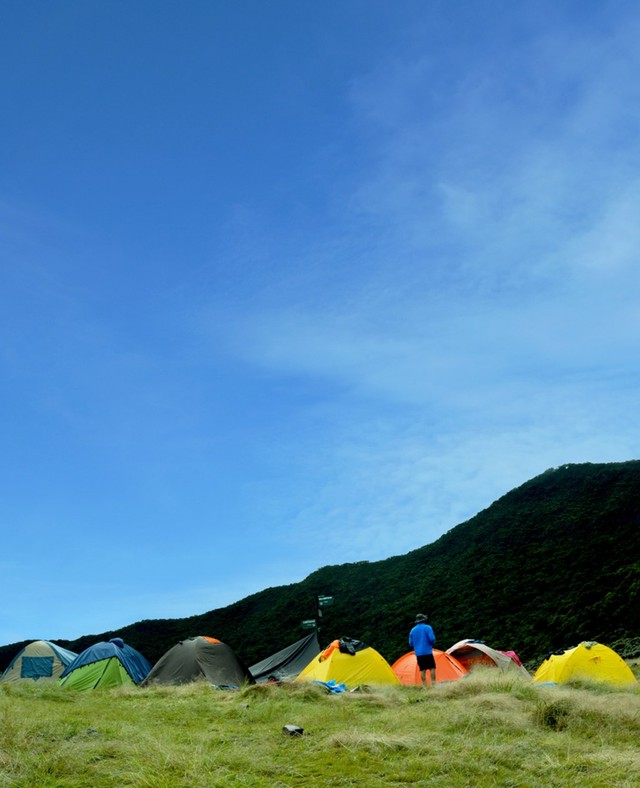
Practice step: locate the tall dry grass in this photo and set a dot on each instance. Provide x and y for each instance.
(488, 729)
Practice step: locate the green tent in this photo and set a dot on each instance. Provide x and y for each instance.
(110, 664)
(106, 673)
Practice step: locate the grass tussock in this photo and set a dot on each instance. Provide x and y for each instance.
(593, 715)
(486, 680)
(302, 691)
(369, 742)
(487, 729)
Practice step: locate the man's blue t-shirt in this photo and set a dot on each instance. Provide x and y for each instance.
(421, 639)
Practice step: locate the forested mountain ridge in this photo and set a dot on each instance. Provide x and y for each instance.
(549, 564)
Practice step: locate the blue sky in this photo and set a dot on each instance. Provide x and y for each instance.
(293, 284)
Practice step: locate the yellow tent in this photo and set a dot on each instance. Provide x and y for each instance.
(349, 662)
(589, 661)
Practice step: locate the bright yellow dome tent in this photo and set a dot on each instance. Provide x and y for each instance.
(349, 662)
(588, 661)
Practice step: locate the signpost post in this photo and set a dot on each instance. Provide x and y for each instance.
(322, 601)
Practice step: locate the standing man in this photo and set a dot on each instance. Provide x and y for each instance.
(421, 640)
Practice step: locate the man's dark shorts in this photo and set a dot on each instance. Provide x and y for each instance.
(426, 661)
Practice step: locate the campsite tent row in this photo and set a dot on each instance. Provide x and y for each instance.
(114, 663)
(337, 664)
(346, 661)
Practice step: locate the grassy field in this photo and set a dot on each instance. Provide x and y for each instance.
(488, 729)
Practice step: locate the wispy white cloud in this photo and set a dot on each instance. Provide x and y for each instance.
(528, 228)
(495, 332)
(513, 163)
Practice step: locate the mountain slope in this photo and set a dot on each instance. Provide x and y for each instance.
(551, 563)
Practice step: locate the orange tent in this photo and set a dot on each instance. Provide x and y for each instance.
(447, 668)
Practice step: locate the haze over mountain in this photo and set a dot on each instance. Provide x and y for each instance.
(549, 564)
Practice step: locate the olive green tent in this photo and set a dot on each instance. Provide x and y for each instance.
(200, 658)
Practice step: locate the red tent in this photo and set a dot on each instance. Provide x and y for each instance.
(513, 656)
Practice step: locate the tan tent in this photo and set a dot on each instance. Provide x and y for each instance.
(475, 654)
(38, 661)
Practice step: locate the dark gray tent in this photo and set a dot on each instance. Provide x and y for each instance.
(200, 658)
(287, 663)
